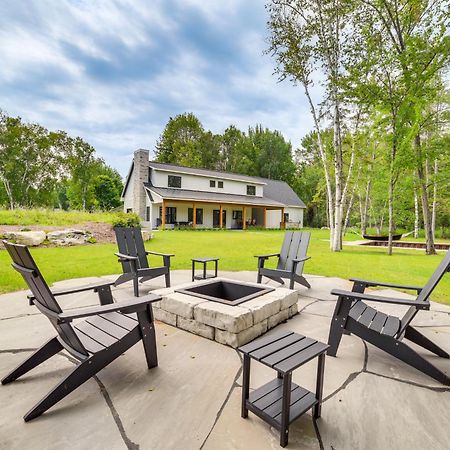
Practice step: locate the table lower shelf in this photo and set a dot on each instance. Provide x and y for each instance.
(266, 402)
(201, 277)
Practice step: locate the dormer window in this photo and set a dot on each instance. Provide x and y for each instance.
(174, 181)
(251, 190)
(212, 183)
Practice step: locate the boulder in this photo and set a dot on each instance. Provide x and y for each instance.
(31, 238)
(147, 235)
(68, 237)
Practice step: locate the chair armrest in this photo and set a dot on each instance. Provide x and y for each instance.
(87, 287)
(377, 298)
(160, 254)
(392, 285)
(133, 305)
(297, 260)
(267, 256)
(124, 257)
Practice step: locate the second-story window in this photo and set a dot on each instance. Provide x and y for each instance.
(212, 183)
(220, 184)
(251, 190)
(174, 181)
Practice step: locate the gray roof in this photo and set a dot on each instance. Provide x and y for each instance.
(216, 197)
(281, 192)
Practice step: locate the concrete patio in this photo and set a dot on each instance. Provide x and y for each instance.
(192, 400)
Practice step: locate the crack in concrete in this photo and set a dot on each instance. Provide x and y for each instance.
(306, 306)
(234, 385)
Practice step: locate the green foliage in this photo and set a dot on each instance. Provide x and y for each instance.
(126, 220)
(107, 192)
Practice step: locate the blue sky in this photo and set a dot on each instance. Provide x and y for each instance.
(113, 72)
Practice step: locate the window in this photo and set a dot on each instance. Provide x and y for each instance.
(212, 183)
(174, 181)
(149, 175)
(286, 217)
(171, 214)
(220, 184)
(129, 210)
(251, 190)
(147, 213)
(198, 215)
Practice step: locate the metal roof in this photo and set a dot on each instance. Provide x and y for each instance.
(215, 197)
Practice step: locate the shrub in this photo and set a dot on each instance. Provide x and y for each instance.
(126, 220)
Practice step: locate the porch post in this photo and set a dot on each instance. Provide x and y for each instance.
(220, 216)
(163, 213)
(194, 216)
(265, 218)
(244, 218)
(283, 225)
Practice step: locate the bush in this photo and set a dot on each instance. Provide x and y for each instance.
(127, 220)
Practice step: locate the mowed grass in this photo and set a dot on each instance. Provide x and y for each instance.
(236, 250)
(50, 217)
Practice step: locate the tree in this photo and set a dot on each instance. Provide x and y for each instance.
(107, 192)
(306, 39)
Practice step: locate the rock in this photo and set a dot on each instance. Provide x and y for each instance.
(181, 304)
(31, 238)
(278, 318)
(225, 317)
(195, 327)
(262, 307)
(293, 310)
(237, 339)
(68, 237)
(164, 316)
(147, 235)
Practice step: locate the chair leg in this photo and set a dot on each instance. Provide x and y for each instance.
(50, 348)
(259, 278)
(418, 338)
(80, 374)
(302, 280)
(291, 282)
(136, 286)
(147, 327)
(337, 327)
(123, 278)
(167, 279)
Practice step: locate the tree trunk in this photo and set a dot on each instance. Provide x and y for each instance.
(434, 205)
(430, 249)
(416, 214)
(391, 212)
(366, 201)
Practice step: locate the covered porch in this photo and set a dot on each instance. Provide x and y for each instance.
(178, 213)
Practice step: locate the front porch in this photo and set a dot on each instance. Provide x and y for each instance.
(179, 213)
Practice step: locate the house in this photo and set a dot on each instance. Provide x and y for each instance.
(166, 195)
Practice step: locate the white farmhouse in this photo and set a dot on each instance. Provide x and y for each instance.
(166, 195)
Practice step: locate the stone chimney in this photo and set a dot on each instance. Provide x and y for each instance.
(140, 176)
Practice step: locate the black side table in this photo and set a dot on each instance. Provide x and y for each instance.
(281, 401)
(203, 261)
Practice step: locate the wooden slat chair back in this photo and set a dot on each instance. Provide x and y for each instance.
(107, 332)
(291, 259)
(130, 242)
(43, 298)
(133, 257)
(425, 293)
(353, 316)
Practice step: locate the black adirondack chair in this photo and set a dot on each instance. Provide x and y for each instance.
(291, 260)
(352, 315)
(108, 331)
(133, 256)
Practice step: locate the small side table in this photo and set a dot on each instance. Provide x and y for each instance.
(281, 401)
(203, 261)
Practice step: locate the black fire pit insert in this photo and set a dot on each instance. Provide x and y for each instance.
(226, 292)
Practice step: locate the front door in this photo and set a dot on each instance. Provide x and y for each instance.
(216, 218)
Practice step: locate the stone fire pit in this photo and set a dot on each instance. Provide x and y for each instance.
(224, 323)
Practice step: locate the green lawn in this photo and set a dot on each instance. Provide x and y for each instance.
(235, 250)
(24, 217)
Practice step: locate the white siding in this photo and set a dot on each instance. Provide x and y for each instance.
(200, 183)
(295, 217)
(273, 218)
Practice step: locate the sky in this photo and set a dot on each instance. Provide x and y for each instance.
(114, 71)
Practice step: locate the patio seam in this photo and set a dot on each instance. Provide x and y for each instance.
(234, 385)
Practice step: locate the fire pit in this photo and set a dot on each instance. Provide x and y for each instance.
(227, 311)
(226, 292)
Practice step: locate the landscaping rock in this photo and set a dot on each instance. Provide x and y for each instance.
(262, 307)
(237, 339)
(69, 237)
(181, 304)
(31, 238)
(231, 318)
(195, 327)
(164, 316)
(278, 318)
(147, 235)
